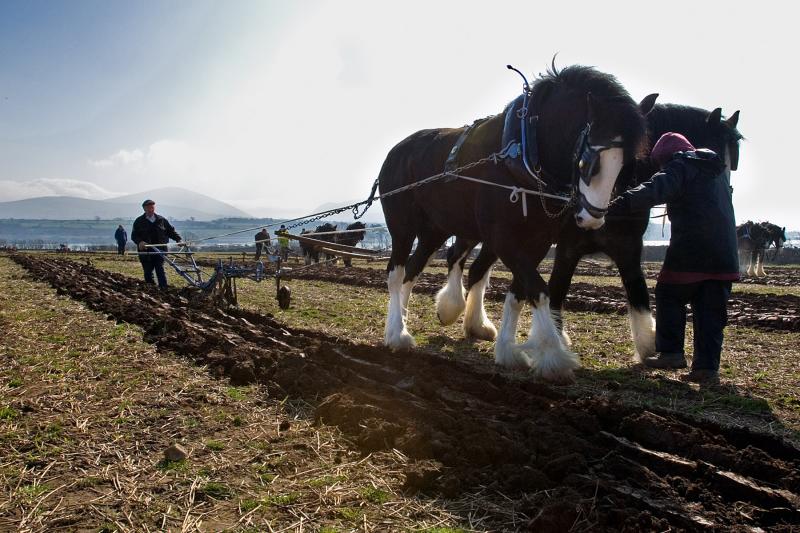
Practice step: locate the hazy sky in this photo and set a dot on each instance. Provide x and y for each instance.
(276, 106)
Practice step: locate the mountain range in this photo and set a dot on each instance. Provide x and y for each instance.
(171, 202)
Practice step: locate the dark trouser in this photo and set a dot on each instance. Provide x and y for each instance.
(709, 300)
(154, 262)
(259, 248)
(120, 248)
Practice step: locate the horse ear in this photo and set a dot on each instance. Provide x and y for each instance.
(714, 117)
(733, 120)
(647, 103)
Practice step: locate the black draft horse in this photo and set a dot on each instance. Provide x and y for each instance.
(352, 237)
(753, 240)
(310, 252)
(620, 238)
(576, 101)
(328, 233)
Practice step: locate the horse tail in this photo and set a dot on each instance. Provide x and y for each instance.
(368, 201)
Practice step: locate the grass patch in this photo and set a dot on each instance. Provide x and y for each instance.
(165, 465)
(215, 445)
(8, 413)
(351, 514)
(236, 393)
(373, 495)
(216, 490)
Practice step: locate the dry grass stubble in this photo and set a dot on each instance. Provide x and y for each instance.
(87, 409)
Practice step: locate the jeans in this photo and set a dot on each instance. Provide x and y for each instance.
(154, 262)
(709, 301)
(120, 248)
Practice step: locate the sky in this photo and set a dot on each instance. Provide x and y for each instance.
(280, 107)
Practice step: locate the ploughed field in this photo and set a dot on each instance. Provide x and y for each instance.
(622, 448)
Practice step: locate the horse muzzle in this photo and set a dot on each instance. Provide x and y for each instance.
(589, 216)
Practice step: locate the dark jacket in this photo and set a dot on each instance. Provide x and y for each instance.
(121, 235)
(158, 232)
(698, 197)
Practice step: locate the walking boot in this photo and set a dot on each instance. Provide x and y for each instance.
(704, 376)
(666, 360)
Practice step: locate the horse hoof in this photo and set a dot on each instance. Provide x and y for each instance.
(402, 342)
(558, 378)
(486, 332)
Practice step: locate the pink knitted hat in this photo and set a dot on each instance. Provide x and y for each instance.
(667, 145)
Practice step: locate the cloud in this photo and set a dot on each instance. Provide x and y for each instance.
(21, 190)
(168, 158)
(122, 158)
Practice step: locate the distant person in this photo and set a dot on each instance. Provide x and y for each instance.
(283, 242)
(262, 238)
(121, 237)
(151, 228)
(701, 261)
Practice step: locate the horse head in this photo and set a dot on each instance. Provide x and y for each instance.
(582, 107)
(356, 236)
(775, 234)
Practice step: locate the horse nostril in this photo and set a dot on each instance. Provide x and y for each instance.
(579, 219)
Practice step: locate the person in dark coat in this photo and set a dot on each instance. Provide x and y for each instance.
(262, 238)
(151, 228)
(702, 259)
(121, 237)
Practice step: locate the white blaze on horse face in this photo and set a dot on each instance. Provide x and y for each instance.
(598, 192)
(727, 171)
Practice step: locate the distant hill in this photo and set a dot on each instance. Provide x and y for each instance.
(171, 202)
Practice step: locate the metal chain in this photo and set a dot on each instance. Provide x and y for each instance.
(560, 212)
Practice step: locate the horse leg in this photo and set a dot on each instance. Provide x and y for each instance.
(506, 339)
(476, 324)
(643, 326)
(395, 334)
(427, 244)
(760, 266)
(753, 259)
(450, 298)
(544, 351)
(566, 261)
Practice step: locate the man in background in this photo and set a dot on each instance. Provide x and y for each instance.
(283, 242)
(262, 238)
(121, 237)
(153, 229)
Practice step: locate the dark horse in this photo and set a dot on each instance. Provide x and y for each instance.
(756, 239)
(575, 104)
(310, 252)
(620, 238)
(329, 233)
(351, 238)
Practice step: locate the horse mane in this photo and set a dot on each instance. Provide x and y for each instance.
(619, 111)
(692, 121)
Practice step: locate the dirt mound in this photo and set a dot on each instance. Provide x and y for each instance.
(589, 464)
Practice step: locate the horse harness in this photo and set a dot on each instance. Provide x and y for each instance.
(521, 155)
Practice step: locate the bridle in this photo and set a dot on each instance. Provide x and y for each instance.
(584, 161)
(585, 156)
